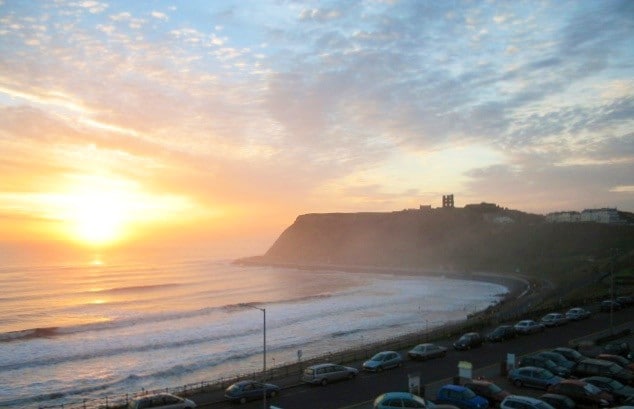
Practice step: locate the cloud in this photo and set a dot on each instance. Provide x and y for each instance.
(159, 15)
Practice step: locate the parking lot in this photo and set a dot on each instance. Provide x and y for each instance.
(495, 372)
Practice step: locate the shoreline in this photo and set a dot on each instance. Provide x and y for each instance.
(517, 285)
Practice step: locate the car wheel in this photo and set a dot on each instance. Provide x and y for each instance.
(243, 400)
(518, 383)
(273, 394)
(379, 368)
(444, 353)
(324, 382)
(351, 375)
(399, 364)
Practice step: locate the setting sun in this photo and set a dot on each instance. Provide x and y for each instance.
(100, 217)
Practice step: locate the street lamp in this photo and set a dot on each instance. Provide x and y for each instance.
(264, 352)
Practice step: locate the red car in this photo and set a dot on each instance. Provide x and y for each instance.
(488, 390)
(583, 393)
(617, 359)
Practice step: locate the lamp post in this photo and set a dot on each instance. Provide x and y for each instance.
(264, 353)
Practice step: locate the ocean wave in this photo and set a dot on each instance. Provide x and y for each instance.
(53, 331)
(109, 352)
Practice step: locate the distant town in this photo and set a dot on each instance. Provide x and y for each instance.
(605, 215)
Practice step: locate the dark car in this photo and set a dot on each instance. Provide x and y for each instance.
(617, 348)
(501, 333)
(558, 401)
(533, 376)
(542, 362)
(468, 341)
(422, 352)
(578, 314)
(582, 393)
(625, 300)
(610, 305)
(558, 358)
(244, 391)
(461, 397)
(598, 367)
(622, 393)
(488, 390)
(617, 359)
(570, 354)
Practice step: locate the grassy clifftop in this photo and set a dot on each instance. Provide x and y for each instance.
(465, 239)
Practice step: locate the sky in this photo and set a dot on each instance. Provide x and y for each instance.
(217, 123)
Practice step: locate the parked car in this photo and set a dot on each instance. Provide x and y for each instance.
(427, 351)
(468, 341)
(610, 305)
(554, 319)
(523, 402)
(391, 400)
(558, 401)
(617, 348)
(622, 393)
(558, 359)
(501, 333)
(625, 300)
(532, 376)
(542, 362)
(528, 327)
(577, 314)
(383, 360)
(488, 390)
(617, 359)
(460, 396)
(244, 391)
(161, 400)
(598, 367)
(570, 354)
(323, 374)
(583, 393)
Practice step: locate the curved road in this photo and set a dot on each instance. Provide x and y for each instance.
(369, 385)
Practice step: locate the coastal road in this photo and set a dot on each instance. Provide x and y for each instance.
(369, 385)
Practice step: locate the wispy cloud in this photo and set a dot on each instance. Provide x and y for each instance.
(298, 108)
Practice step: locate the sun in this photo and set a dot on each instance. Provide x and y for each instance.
(99, 218)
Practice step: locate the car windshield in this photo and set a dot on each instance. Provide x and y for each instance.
(493, 388)
(542, 405)
(378, 357)
(590, 388)
(468, 394)
(544, 374)
(615, 385)
(614, 368)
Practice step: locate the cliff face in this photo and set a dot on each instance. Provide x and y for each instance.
(448, 239)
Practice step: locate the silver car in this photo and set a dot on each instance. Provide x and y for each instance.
(528, 327)
(323, 374)
(383, 360)
(427, 351)
(162, 401)
(554, 319)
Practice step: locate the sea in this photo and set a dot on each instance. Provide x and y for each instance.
(89, 330)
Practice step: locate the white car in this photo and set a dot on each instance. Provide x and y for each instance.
(162, 401)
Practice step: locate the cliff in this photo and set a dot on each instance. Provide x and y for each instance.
(478, 237)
